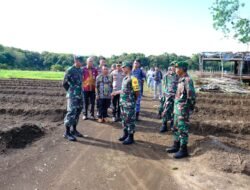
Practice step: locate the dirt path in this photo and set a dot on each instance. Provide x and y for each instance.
(96, 162)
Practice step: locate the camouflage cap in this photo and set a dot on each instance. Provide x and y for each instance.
(119, 63)
(127, 64)
(182, 64)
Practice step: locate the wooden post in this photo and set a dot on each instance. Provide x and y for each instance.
(241, 68)
(200, 63)
(222, 64)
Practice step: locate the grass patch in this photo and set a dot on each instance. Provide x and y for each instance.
(46, 75)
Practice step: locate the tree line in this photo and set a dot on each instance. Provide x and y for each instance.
(14, 58)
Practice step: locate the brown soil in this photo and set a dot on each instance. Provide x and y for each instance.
(34, 155)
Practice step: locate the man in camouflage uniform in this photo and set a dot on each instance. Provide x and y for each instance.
(183, 106)
(73, 85)
(128, 95)
(170, 83)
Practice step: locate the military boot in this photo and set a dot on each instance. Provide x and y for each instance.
(183, 152)
(124, 136)
(75, 132)
(129, 140)
(163, 128)
(175, 148)
(68, 135)
(137, 116)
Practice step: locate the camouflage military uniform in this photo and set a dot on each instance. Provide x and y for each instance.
(171, 81)
(130, 85)
(183, 105)
(73, 77)
(162, 103)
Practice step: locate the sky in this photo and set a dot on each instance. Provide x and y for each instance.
(112, 27)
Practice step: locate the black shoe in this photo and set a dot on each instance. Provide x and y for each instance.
(129, 140)
(124, 136)
(182, 153)
(137, 116)
(163, 129)
(175, 148)
(69, 136)
(76, 133)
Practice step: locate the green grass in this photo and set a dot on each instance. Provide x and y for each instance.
(47, 75)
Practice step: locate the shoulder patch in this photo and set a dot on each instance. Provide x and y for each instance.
(135, 84)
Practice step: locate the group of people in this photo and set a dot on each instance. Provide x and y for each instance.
(154, 81)
(121, 88)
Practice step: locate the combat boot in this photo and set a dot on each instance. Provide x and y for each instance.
(68, 135)
(137, 116)
(124, 136)
(175, 148)
(183, 152)
(163, 129)
(75, 133)
(129, 140)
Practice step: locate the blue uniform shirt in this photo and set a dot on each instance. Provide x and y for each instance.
(138, 73)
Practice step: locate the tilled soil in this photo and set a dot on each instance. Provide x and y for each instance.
(35, 156)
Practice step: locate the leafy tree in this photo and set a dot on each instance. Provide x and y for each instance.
(226, 18)
(57, 67)
(193, 62)
(13, 58)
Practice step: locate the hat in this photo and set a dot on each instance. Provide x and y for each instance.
(127, 64)
(119, 63)
(182, 64)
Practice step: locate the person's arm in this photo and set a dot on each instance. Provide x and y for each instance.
(164, 81)
(67, 82)
(191, 96)
(111, 84)
(111, 78)
(116, 93)
(143, 75)
(97, 87)
(96, 72)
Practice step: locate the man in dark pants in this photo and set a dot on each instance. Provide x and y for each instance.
(103, 94)
(73, 85)
(117, 76)
(102, 62)
(89, 80)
